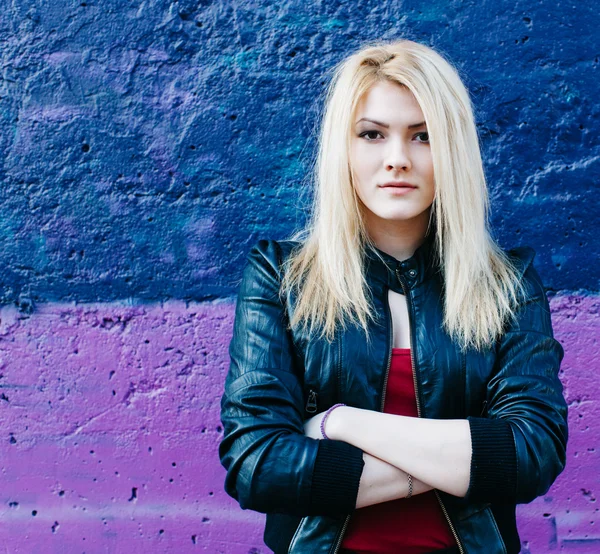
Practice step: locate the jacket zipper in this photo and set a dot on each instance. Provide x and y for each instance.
(311, 408)
(412, 361)
(389, 363)
(311, 403)
(341, 535)
(385, 381)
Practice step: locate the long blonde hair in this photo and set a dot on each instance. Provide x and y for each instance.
(327, 273)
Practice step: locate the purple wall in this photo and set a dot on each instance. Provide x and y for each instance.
(111, 444)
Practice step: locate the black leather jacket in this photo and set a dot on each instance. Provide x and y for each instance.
(510, 394)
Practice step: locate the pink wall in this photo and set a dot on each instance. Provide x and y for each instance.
(110, 418)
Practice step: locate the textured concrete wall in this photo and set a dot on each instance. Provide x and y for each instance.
(145, 146)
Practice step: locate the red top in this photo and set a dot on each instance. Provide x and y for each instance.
(411, 526)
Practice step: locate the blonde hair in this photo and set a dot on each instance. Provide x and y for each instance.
(327, 273)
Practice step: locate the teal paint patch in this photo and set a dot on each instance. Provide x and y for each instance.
(335, 24)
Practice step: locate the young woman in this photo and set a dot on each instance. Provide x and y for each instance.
(393, 385)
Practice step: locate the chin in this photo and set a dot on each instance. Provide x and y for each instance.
(398, 216)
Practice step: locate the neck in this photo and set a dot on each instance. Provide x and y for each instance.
(399, 239)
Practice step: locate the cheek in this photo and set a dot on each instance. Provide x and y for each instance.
(357, 163)
(358, 180)
(355, 157)
(430, 166)
(426, 165)
(365, 167)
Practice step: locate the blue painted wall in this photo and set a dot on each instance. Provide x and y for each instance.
(146, 145)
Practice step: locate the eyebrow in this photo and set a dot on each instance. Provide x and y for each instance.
(412, 126)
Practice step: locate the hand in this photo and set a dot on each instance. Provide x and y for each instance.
(312, 426)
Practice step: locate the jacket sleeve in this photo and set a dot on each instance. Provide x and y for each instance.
(519, 448)
(272, 467)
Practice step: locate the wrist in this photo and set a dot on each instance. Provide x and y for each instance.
(335, 423)
(325, 418)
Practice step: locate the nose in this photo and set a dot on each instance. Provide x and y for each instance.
(397, 156)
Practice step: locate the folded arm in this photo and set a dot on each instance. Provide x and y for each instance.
(272, 467)
(380, 481)
(513, 453)
(436, 452)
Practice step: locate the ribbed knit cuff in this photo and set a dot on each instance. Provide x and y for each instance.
(493, 462)
(336, 477)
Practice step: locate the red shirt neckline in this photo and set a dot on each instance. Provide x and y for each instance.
(400, 350)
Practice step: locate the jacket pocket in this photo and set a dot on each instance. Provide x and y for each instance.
(479, 532)
(471, 509)
(296, 534)
(280, 529)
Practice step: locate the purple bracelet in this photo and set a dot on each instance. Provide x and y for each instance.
(325, 417)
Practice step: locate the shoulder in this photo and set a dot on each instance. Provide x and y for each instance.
(273, 252)
(523, 259)
(521, 256)
(268, 255)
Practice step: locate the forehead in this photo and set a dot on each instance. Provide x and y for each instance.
(389, 102)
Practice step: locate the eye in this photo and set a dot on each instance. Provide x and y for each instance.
(426, 134)
(364, 135)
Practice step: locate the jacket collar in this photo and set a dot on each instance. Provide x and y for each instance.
(420, 266)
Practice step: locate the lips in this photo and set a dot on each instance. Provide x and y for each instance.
(399, 184)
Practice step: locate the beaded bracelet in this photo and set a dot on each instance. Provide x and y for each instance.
(325, 417)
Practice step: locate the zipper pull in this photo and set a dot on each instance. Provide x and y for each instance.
(311, 404)
(483, 408)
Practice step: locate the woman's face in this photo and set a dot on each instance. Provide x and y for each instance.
(390, 144)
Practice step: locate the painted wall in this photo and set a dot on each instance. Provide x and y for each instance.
(146, 146)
